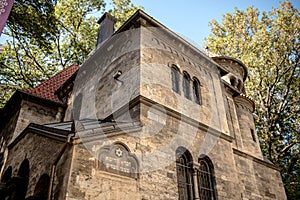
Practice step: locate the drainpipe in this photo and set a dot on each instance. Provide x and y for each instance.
(53, 168)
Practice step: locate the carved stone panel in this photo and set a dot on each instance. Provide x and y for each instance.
(117, 159)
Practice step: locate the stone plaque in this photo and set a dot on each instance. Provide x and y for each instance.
(117, 159)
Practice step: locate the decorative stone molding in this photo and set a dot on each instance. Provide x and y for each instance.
(255, 159)
(187, 60)
(39, 109)
(244, 102)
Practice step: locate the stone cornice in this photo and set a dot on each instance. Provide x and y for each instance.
(55, 134)
(175, 114)
(257, 160)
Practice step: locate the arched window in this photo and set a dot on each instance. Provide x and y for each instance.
(206, 179)
(7, 175)
(197, 91)
(175, 79)
(5, 192)
(184, 176)
(240, 85)
(186, 85)
(41, 188)
(20, 181)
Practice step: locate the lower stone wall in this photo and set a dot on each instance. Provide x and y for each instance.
(40, 151)
(154, 144)
(258, 181)
(88, 182)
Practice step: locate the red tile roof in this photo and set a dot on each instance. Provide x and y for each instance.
(47, 88)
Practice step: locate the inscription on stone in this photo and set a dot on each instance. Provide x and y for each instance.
(117, 164)
(116, 159)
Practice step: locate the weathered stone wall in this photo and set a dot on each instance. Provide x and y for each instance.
(40, 151)
(169, 134)
(34, 113)
(169, 121)
(155, 146)
(159, 52)
(62, 174)
(9, 128)
(250, 143)
(102, 93)
(257, 180)
(88, 182)
(6, 135)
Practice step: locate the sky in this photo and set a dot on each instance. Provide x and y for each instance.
(190, 18)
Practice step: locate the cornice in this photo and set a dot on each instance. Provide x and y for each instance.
(257, 160)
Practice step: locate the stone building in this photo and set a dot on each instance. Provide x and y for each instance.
(147, 116)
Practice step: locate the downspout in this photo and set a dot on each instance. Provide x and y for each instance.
(53, 168)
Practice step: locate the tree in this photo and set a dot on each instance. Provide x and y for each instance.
(122, 10)
(21, 62)
(47, 36)
(268, 44)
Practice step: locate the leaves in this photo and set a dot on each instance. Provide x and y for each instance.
(49, 35)
(268, 44)
(122, 10)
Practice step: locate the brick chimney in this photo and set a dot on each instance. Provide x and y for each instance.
(106, 28)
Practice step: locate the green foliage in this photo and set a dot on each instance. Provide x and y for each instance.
(268, 44)
(34, 20)
(122, 10)
(49, 35)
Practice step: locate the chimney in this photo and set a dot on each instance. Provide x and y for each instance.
(106, 28)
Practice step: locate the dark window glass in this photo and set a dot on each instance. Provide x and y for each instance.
(197, 91)
(175, 80)
(41, 188)
(186, 86)
(20, 182)
(253, 135)
(206, 180)
(184, 177)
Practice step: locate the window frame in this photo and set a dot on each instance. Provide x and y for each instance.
(175, 73)
(184, 155)
(197, 91)
(207, 188)
(186, 84)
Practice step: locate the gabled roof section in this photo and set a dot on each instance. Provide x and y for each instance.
(141, 19)
(47, 89)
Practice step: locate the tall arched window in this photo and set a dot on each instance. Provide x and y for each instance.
(186, 85)
(7, 175)
(197, 91)
(20, 182)
(206, 179)
(41, 188)
(175, 79)
(184, 176)
(5, 192)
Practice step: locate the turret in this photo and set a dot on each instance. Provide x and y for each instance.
(233, 74)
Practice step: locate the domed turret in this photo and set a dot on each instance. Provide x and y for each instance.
(234, 72)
